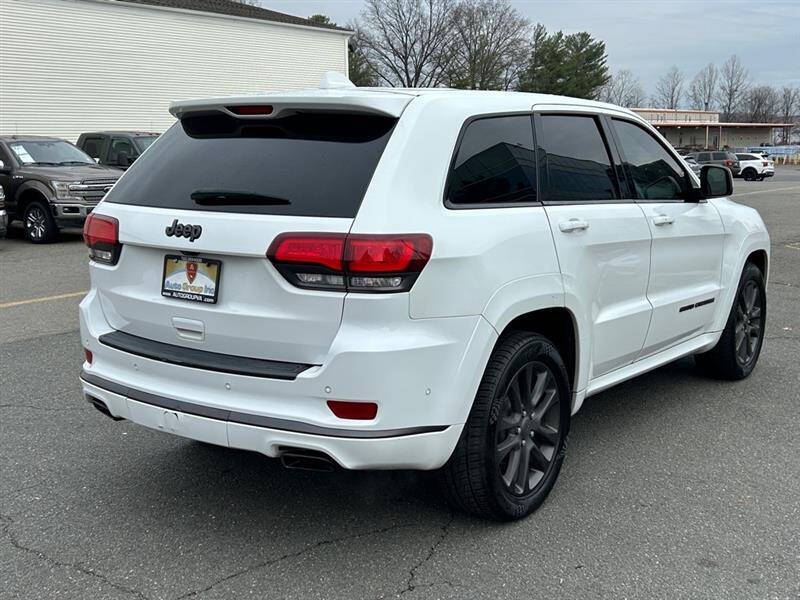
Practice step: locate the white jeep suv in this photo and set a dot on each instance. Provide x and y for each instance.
(410, 279)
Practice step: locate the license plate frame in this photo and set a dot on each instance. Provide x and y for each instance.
(181, 288)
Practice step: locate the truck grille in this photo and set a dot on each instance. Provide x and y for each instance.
(92, 190)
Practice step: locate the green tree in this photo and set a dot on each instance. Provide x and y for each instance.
(567, 65)
(321, 20)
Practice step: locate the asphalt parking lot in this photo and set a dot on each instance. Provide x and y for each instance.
(675, 486)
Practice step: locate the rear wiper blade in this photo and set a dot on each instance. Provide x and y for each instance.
(230, 197)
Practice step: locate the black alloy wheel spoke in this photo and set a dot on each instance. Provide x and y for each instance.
(747, 322)
(527, 429)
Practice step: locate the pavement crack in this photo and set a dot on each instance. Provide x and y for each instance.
(411, 584)
(7, 522)
(289, 555)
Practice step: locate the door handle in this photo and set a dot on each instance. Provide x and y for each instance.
(663, 220)
(573, 225)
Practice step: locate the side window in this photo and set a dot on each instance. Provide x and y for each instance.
(576, 159)
(720, 155)
(656, 174)
(118, 146)
(93, 146)
(495, 163)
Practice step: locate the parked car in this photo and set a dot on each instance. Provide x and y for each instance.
(116, 148)
(693, 164)
(3, 213)
(49, 183)
(722, 158)
(755, 167)
(389, 280)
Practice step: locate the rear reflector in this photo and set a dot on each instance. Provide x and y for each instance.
(251, 110)
(101, 234)
(353, 410)
(356, 263)
(87, 354)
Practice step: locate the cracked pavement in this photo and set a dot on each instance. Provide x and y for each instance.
(674, 485)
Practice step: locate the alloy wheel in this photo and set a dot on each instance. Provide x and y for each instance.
(748, 323)
(36, 222)
(527, 431)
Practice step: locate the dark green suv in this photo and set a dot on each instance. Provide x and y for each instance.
(116, 149)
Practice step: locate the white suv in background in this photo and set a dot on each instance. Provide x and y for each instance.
(410, 279)
(755, 167)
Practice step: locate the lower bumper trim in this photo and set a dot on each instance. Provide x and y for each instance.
(250, 419)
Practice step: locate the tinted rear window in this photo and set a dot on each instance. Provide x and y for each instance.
(495, 163)
(576, 158)
(301, 165)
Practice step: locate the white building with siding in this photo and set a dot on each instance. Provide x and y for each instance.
(72, 66)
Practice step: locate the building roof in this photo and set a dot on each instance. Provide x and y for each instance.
(713, 124)
(676, 110)
(235, 9)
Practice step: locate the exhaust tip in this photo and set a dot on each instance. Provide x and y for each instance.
(101, 406)
(307, 460)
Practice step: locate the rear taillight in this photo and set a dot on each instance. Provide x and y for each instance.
(354, 263)
(87, 354)
(101, 234)
(765, 163)
(728, 163)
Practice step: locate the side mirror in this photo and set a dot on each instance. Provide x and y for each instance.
(4, 168)
(715, 181)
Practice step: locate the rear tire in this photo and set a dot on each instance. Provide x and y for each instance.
(749, 175)
(515, 439)
(39, 225)
(737, 351)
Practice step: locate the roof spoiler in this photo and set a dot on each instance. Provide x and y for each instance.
(267, 106)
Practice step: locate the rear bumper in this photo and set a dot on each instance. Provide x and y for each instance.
(412, 448)
(422, 373)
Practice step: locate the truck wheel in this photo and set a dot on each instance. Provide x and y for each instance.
(40, 227)
(515, 439)
(737, 351)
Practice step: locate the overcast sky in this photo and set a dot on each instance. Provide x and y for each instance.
(648, 36)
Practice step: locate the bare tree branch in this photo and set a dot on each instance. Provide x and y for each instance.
(408, 42)
(733, 84)
(669, 89)
(704, 87)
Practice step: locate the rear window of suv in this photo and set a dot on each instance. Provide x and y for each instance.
(301, 165)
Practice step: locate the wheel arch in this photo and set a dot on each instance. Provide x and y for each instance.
(30, 192)
(557, 324)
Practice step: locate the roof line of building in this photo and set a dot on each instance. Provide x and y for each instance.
(230, 9)
(676, 110)
(715, 124)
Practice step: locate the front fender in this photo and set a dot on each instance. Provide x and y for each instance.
(745, 233)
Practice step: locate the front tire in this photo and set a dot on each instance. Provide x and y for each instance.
(737, 351)
(40, 227)
(515, 439)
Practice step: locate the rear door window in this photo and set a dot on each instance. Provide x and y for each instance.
(576, 160)
(704, 157)
(720, 156)
(656, 174)
(311, 164)
(93, 146)
(495, 163)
